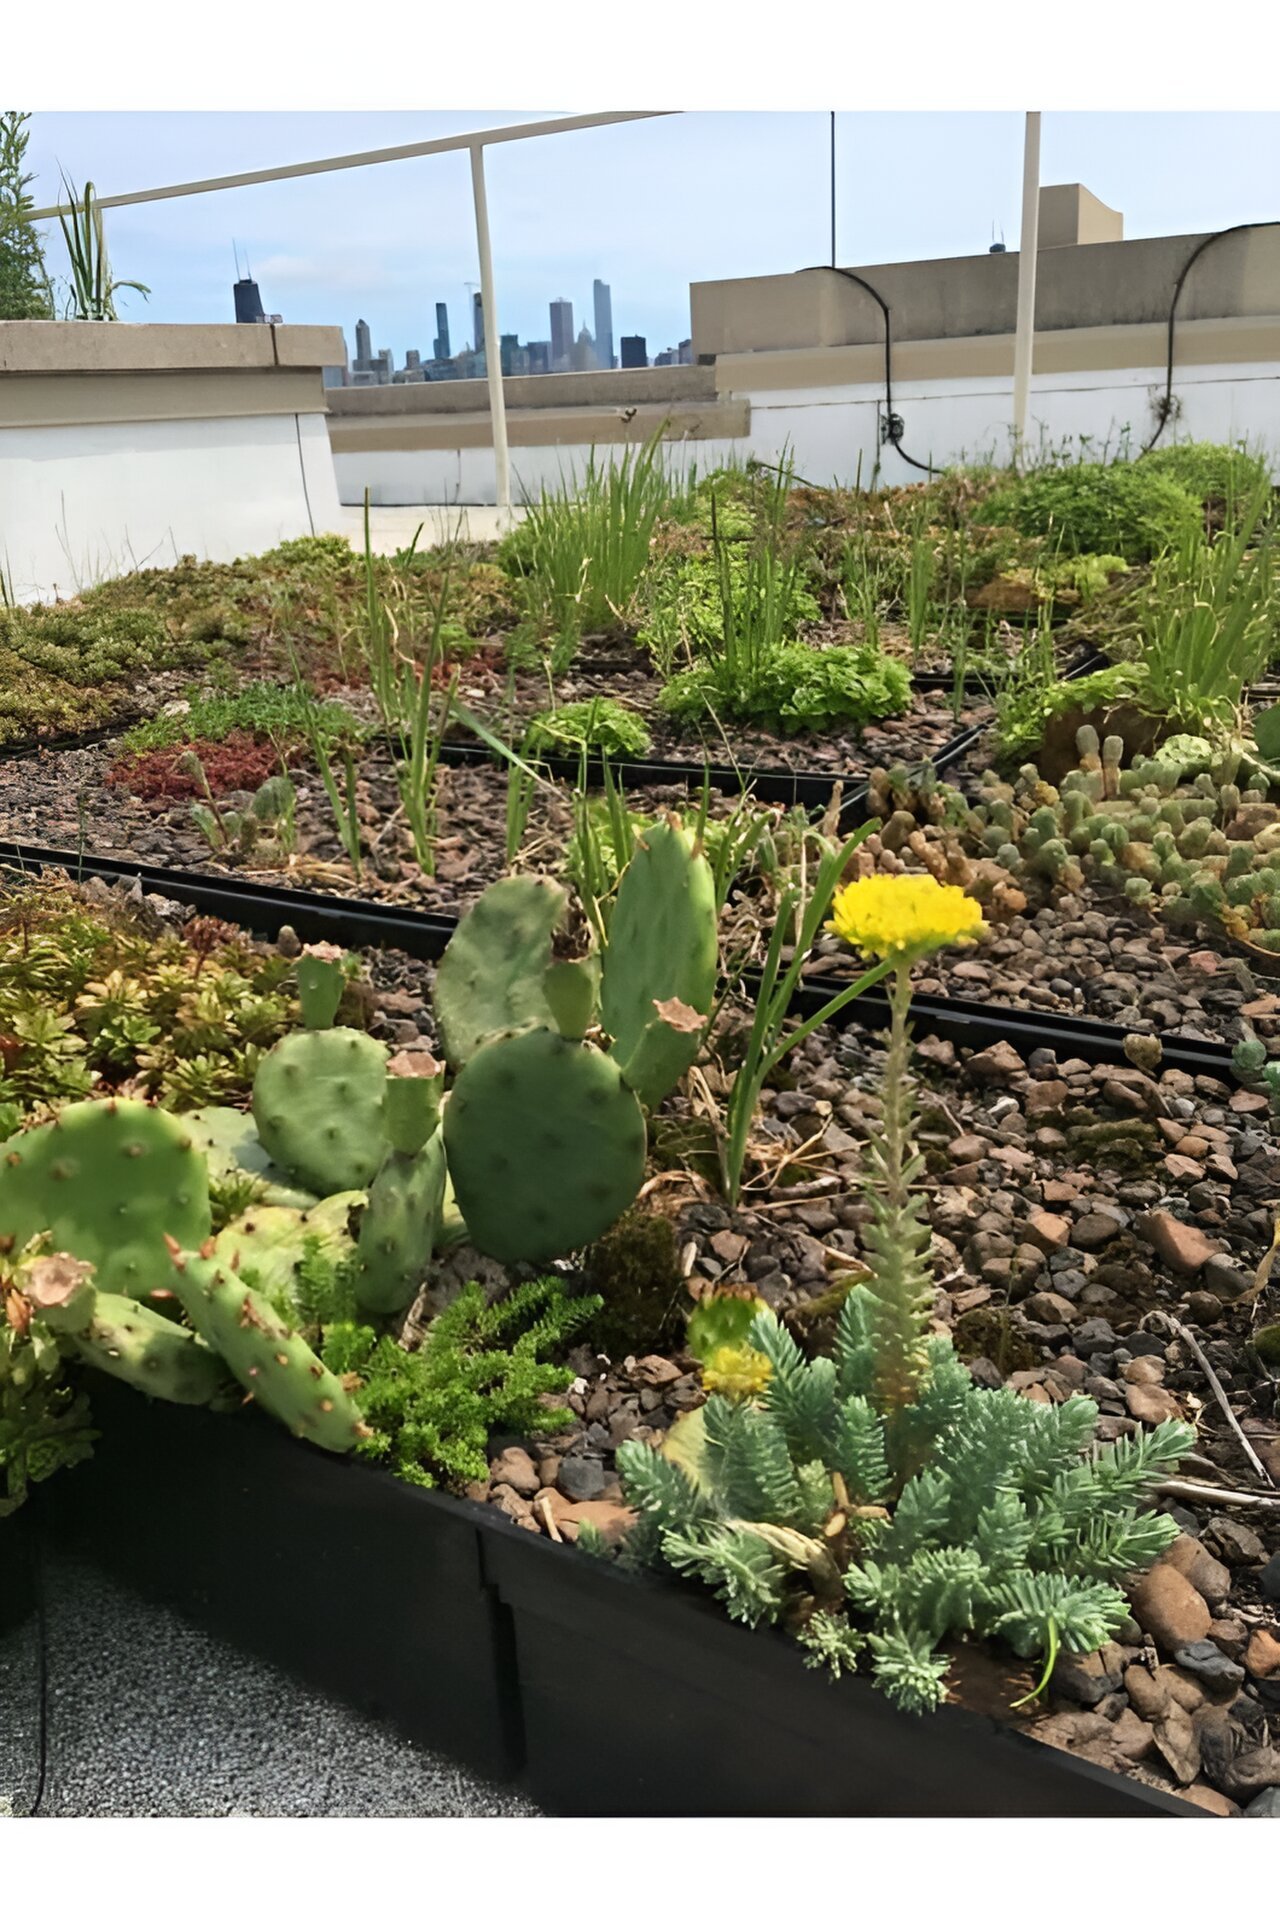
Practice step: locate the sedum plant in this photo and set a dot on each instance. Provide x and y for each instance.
(877, 1501)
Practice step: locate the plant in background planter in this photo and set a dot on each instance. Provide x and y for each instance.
(877, 1501)
(25, 292)
(93, 291)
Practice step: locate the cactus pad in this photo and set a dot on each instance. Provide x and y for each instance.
(411, 1103)
(149, 1352)
(399, 1227)
(108, 1179)
(490, 978)
(662, 948)
(269, 1242)
(266, 1356)
(317, 1100)
(546, 1145)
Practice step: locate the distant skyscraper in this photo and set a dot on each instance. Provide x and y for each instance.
(509, 348)
(539, 354)
(412, 359)
(635, 352)
(604, 323)
(583, 353)
(364, 345)
(248, 301)
(477, 321)
(441, 344)
(561, 333)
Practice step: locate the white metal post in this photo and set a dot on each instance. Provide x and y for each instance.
(492, 341)
(1024, 341)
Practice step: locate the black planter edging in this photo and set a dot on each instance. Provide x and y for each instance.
(774, 784)
(260, 909)
(604, 1694)
(19, 748)
(366, 1587)
(975, 1023)
(639, 1698)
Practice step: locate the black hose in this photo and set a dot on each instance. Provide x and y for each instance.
(893, 428)
(1164, 408)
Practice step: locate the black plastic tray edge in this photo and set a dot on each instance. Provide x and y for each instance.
(537, 1584)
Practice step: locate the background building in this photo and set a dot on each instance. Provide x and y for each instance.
(561, 333)
(634, 352)
(440, 347)
(603, 310)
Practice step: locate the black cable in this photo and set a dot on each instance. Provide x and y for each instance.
(893, 428)
(1164, 408)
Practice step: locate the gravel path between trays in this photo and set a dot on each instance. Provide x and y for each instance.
(148, 1717)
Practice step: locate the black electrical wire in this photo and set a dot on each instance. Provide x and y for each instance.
(1164, 408)
(893, 427)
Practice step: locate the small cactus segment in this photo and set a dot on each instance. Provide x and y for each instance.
(149, 1352)
(317, 1100)
(411, 1104)
(107, 1179)
(267, 1243)
(662, 949)
(265, 1354)
(572, 987)
(546, 1145)
(320, 984)
(490, 978)
(399, 1227)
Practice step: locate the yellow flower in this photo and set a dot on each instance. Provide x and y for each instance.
(904, 916)
(738, 1373)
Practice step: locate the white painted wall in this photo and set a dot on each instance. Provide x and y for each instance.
(833, 434)
(79, 503)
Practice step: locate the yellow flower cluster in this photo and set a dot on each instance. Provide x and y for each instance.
(904, 916)
(739, 1373)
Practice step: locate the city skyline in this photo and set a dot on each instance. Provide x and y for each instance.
(559, 351)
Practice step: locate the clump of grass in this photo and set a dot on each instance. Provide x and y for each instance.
(280, 712)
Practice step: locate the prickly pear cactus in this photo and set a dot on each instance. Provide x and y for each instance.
(266, 1356)
(546, 1145)
(399, 1228)
(317, 1101)
(490, 978)
(411, 1104)
(269, 1242)
(572, 988)
(108, 1179)
(320, 984)
(660, 968)
(135, 1344)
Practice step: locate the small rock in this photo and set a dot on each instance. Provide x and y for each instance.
(1148, 1695)
(1170, 1608)
(1234, 1542)
(1208, 1799)
(1047, 1231)
(1093, 1231)
(1189, 1556)
(613, 1520)
(1044, 1097)
(1253, 1771)
(1148, 1370)
(996, 1065)
(512, 1505)
(1181, 1246)
(1224, 1279)
(1262, 1654)
(581, 1478)
(1132, 1735)
(1086, 1679)
(1178, 1743)
(654, 1372)
(1266, 1804)
(515, 1467)
(1050, 1308)
(1268, 1580)
(1151, 1405)
(1206, 1662)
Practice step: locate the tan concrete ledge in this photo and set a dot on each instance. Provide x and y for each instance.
(1058, 352)
(133, 348)
(538, 428)
(617, 388)
(59, 402)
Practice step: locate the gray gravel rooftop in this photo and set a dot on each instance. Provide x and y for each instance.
(148, 1717)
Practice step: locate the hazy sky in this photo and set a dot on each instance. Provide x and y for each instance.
(649, 206)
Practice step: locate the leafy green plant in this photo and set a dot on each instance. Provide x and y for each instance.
(798, 687)
(1130, 509)
(92, 288)
(478, 1370)
(1225, 473)
(600, 724)
(287, 714)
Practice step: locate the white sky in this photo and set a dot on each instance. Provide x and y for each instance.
(649, 206)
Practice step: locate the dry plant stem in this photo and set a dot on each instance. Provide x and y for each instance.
(1210, 1493)
(1220, 1395)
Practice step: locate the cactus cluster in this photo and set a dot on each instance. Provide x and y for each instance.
(1193, 848)
(544, 1129)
